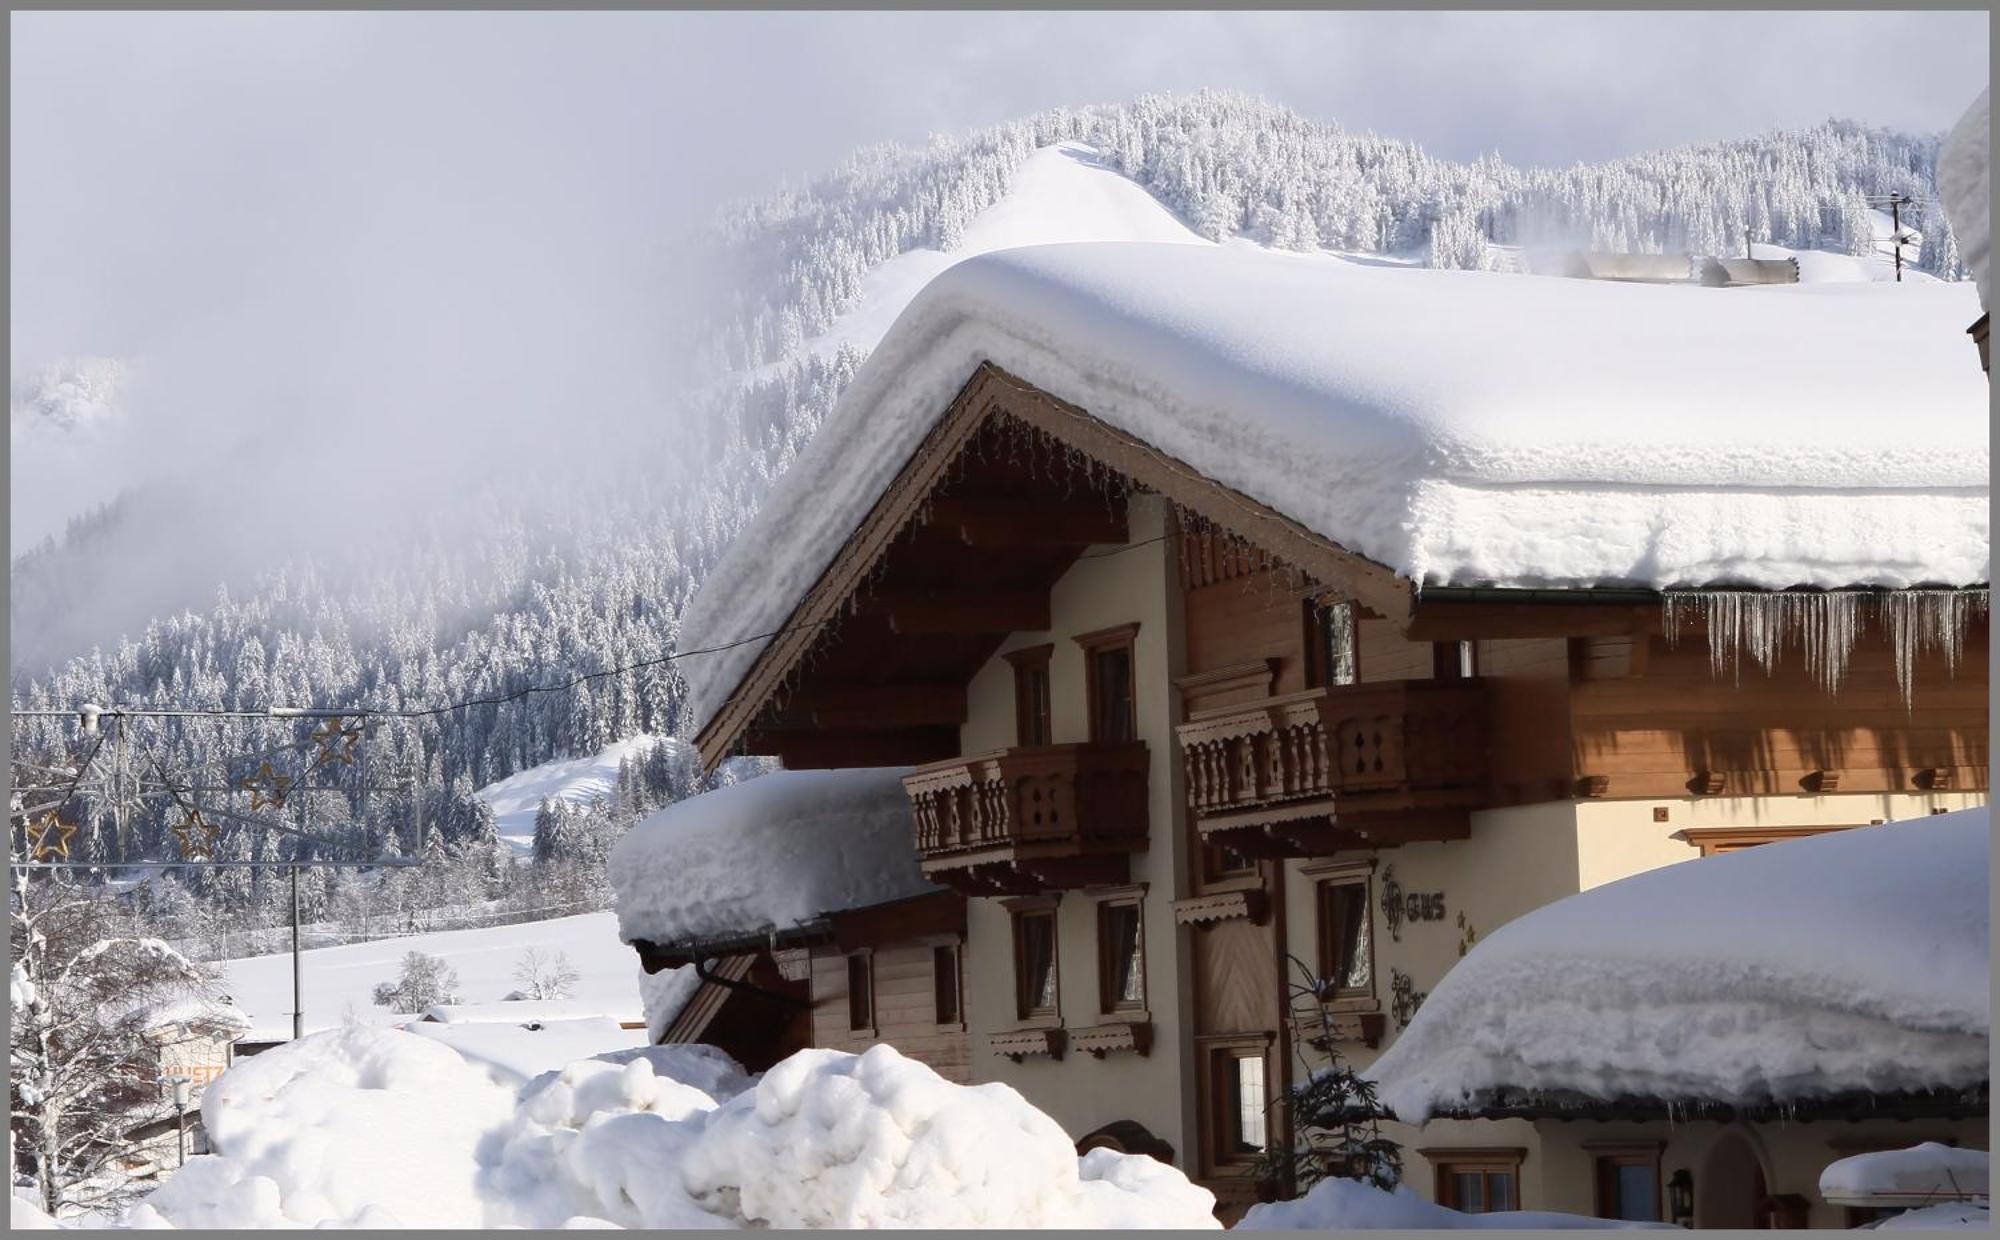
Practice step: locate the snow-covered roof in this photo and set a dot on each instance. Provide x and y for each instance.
(1965, 182)
(1852, 962)
(1461, 428)
(1922, 1175)
(772, 852)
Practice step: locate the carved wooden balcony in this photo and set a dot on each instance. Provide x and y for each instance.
(1353, 766)
(1031, 818)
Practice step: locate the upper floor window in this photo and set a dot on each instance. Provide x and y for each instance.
(1330, 646)
(1035, 984)
(861, 991)
(1346, 956)
(1108, 669)
(945, 982)
(1121, 955)
(1031, 695)
(1454, 660)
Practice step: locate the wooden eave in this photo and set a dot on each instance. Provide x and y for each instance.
(843, 590)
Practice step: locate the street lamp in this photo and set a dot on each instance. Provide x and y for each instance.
(182, 1087)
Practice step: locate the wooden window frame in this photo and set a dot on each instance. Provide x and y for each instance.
(1326, 875)
(1455, 660)
(1714, 841)
(1108, 1002)
(1448, 1163)
(1316, 669)
(1215, 1064)
(1029, 663)
(957, 949)
(1608, 1155)
(1019, 911)
(865, 957)
(1099, 642)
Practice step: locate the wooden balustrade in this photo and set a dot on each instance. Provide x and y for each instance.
(1357, 756)
(1031, 818)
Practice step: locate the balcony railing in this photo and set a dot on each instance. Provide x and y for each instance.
(1346, 753)
(1029, 810)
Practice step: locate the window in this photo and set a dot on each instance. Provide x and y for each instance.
(1330, 649)
(944, 982)
(1346, 954)
(1031, 695)
(1477, 1181)
(1251, 1097)
(1628, 1181)
(1121, 956)
(1035, 988)
(1108, 665)
(861, 992)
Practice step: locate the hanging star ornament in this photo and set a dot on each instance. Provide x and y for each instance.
(266, 788)
(40, 846)
(196, 835)
(337, 740)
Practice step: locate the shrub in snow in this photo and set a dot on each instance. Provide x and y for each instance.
(425, 982)
(544, 975)
(1333, 1110)
(1352, 1205)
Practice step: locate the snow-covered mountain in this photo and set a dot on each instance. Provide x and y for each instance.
(594, 577)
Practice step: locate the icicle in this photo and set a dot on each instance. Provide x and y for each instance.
(1924, 620)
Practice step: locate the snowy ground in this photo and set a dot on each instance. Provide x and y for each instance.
(575, 781)
(338, 981)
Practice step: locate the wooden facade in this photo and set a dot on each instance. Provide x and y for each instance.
(1326, 719)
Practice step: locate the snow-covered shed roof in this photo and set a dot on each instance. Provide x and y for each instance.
(771, 853)
(1852, 962)
(1460, 428)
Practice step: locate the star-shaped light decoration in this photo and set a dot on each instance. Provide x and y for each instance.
(266, 787)
(337, 739)
(196, 835)
(40, 846)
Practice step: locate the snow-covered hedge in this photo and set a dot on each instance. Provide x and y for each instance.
(379, 1127)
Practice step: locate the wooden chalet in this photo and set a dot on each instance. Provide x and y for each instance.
(1171, 746)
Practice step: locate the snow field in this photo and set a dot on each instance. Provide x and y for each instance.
(575, 782)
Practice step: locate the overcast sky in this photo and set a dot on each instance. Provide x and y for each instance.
(168, 167)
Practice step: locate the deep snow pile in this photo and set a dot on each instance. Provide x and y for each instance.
(1853, 961)
(1458, 427)
(1344, 1205)
(515, 1053)
(379, 1127)
(774, 851)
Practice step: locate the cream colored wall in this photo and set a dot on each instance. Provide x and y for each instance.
(1616, 839)
(1082, 1093)
(1515, 860)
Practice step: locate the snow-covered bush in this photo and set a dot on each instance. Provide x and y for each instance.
(425, 982)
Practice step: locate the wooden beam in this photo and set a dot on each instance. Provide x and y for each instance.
(1033, 522)
(877, 706)
(807, 749)
(1439, 621)
(963, 613)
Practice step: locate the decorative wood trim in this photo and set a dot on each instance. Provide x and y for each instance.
(1100, 1040)
(987, 391)
(1030, 656)
(1250, 902)
(794, 963)
(1593, 786)
(1364, 1026)
(1116, 635)
(1227, 686)
(1021, 1044)
(1357, 867)
(1712, 840)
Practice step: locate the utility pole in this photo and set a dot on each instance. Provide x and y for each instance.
(298, 990)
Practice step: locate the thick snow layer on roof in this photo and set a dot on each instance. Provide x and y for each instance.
(1965, 182)
(1923, 1174)
(1349, 1205)
(1459, 427)
(1852, 961)
(771, 852)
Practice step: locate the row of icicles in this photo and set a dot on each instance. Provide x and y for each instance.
(1754, 625)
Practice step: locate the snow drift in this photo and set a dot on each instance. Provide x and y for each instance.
(379, 1127)
(1853, 961)
(1349, 1205)
(771, 852)
(1461, 428)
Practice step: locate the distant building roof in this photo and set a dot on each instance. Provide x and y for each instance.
(1726, 272)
